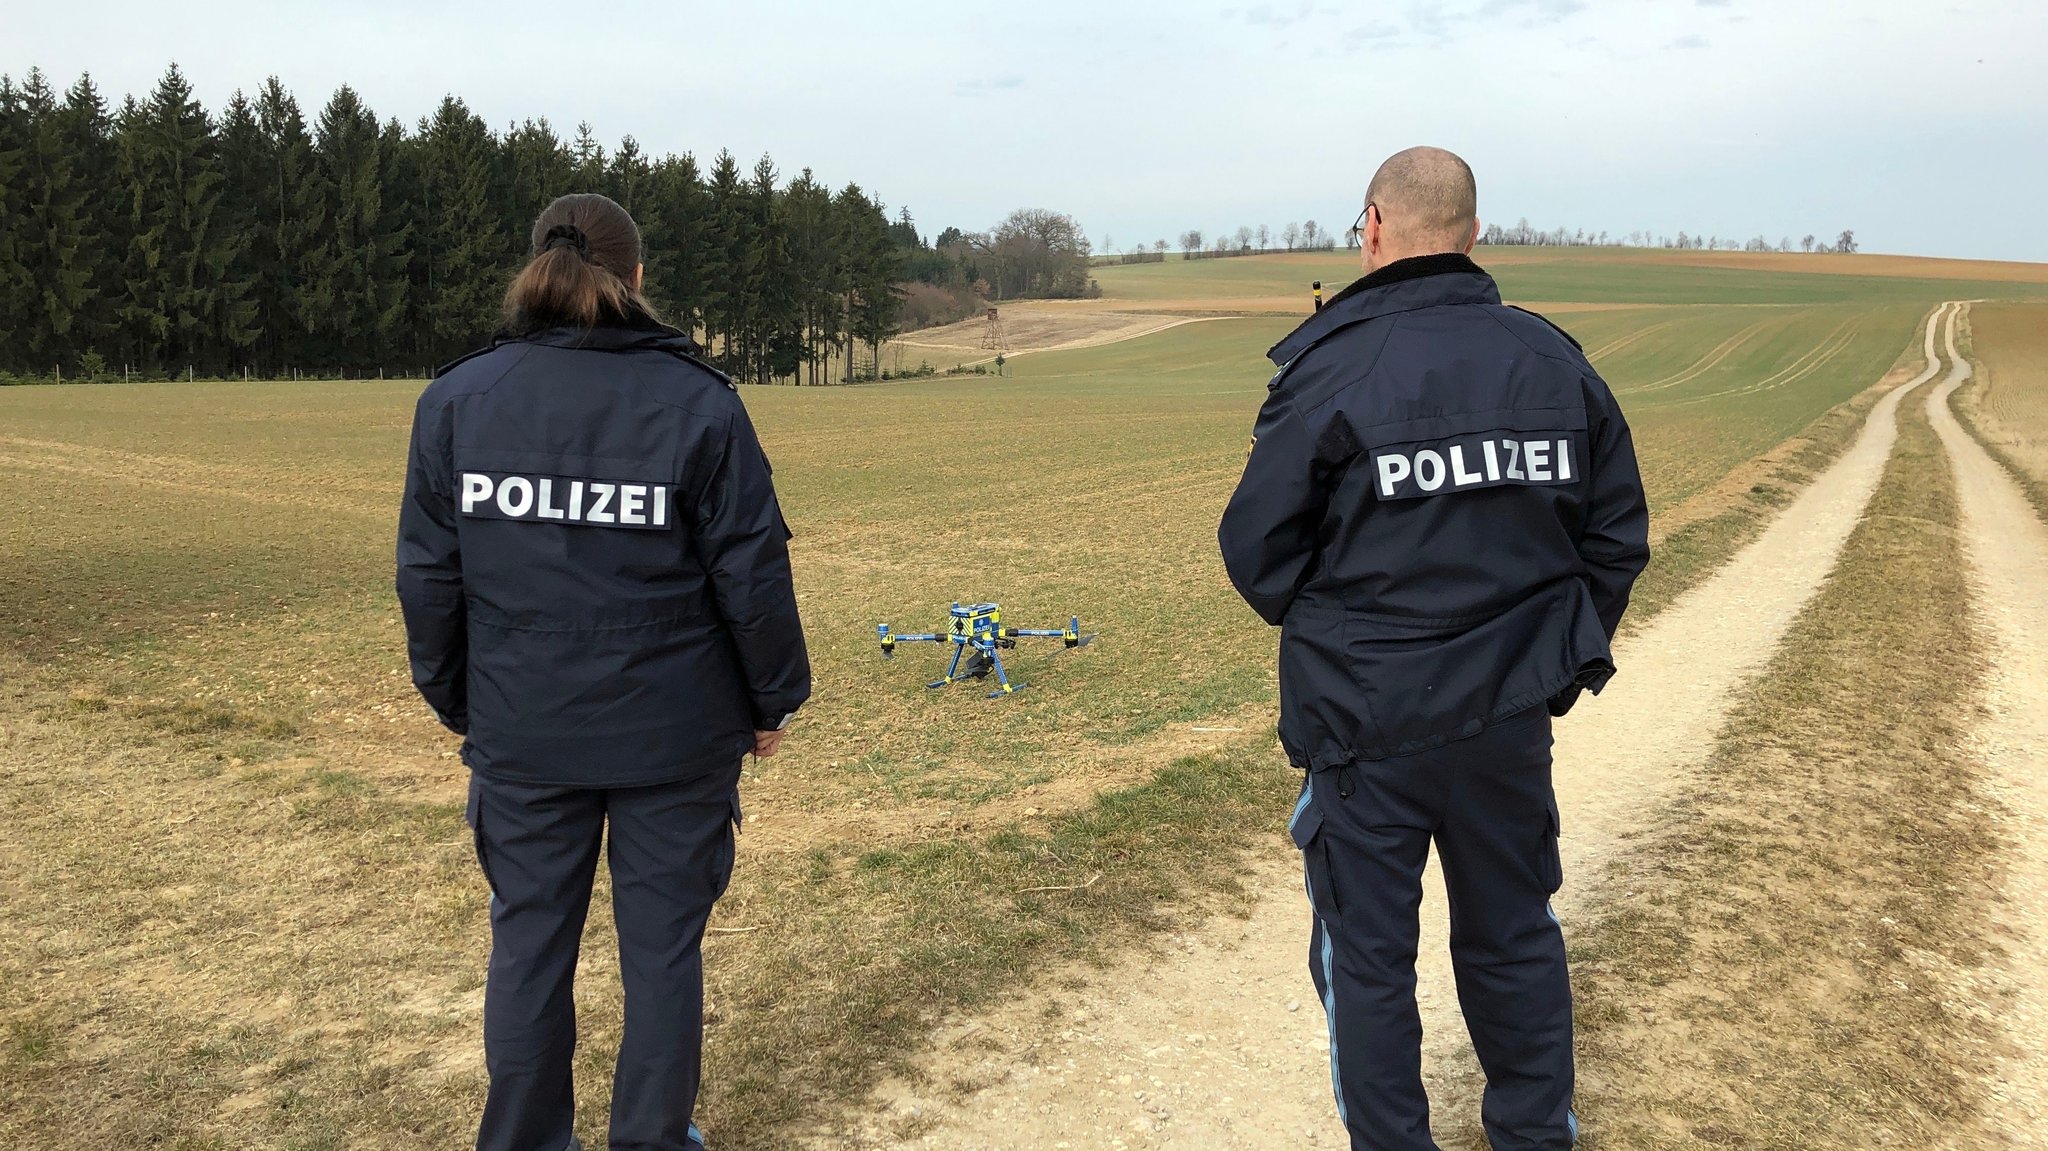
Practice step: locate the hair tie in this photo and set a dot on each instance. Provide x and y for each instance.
(569, 235)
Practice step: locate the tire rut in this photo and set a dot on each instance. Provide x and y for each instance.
(2008, 546)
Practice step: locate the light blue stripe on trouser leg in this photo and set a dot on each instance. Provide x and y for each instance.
(1571, 1117)
(1330, 1015)
(1300, 805)
(1322, 934)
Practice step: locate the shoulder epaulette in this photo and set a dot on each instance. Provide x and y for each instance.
(690, 357)
(1553, 325)
(458, 361)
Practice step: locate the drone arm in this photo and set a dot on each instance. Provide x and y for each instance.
(1070, 633)
(890, 639)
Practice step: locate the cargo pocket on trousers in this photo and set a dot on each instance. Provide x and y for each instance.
(728, 852)
(1306, 828)
(1550, 869)
(472, 814)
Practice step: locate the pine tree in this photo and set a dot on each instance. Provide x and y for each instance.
(53, 223)
(537, 169)
(166, 161)
(673, 230)
(398, 163)
(726, 243)
(235, 257)
(627, 178)
(86, 132)
(357, 276)
(872, 260)
(778, 317)
(291, 201)
(587, 166)
(464, 267)
(17, 283)
(814, 236)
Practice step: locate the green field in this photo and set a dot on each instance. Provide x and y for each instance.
(212, 732)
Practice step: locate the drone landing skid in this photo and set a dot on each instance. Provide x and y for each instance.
(980, 663)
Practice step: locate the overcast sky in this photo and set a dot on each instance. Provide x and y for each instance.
(1730, 117)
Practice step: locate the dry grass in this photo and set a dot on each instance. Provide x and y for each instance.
(261, 950)
(1782, 963)
(241, 908)
(2006, 405)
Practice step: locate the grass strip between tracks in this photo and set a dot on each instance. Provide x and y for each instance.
(1997, 431)
(1783, 961)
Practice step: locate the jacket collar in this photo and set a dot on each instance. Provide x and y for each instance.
(604, 338)
(1402, 286)
(609, 338)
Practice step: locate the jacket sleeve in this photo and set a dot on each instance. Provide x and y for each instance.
(1268, 533)
(430, 572)
(744, 544)
(1615, 543)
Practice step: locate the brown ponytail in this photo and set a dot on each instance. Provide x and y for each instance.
(585, 251)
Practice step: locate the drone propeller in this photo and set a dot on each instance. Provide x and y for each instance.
(1073, 635)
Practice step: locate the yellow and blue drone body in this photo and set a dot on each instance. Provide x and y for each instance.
(978, 635)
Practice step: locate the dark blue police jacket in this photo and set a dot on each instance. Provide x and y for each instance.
(592, 564)
(1441, 510)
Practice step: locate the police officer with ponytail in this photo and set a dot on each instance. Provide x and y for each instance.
(595, 580)
(1442, 513)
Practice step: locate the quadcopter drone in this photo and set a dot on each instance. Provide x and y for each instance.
(977, 634)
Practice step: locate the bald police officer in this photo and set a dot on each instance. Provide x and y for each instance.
(1442, 512)
(595, 578)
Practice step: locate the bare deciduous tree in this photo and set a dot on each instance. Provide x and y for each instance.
(1036, 252)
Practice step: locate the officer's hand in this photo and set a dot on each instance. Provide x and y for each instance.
(767, 743)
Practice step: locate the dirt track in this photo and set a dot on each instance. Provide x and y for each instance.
(1028, 329)
(2008, 546)
(1217, 1040)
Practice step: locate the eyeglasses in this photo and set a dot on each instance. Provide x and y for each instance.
(1358, 226)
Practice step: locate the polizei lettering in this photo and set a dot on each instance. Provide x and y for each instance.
(1479, 460)
(566, 500)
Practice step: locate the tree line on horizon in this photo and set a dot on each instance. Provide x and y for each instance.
(1246, 240)
(1522, 235)
(160, 239)
(1249, 241)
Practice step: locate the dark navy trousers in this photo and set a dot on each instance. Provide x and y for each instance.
(670, 849)
(1364, 831)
